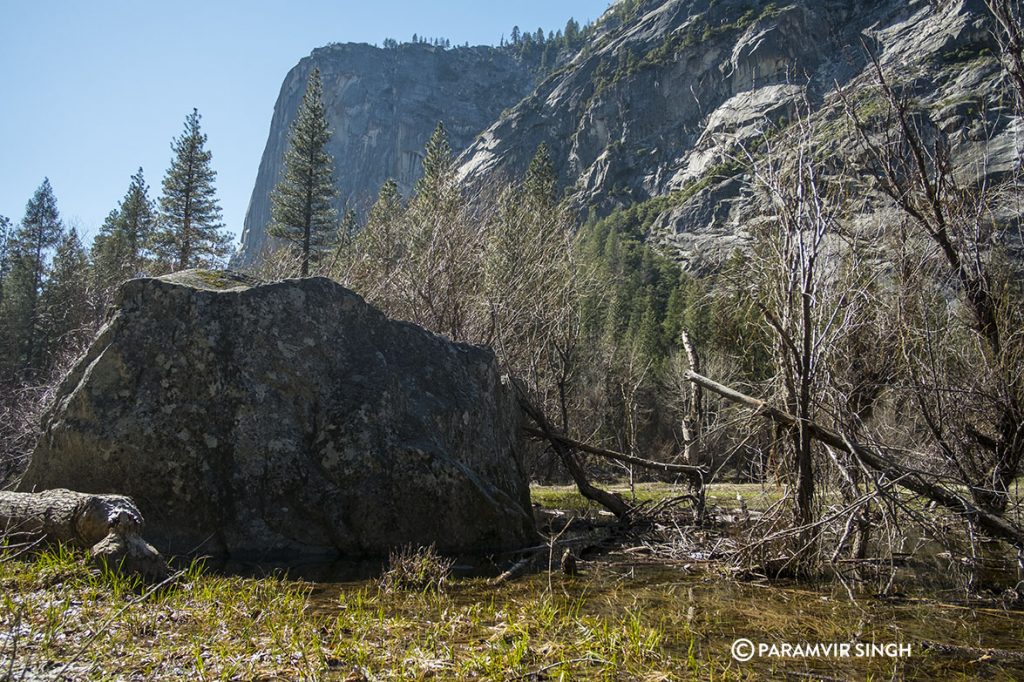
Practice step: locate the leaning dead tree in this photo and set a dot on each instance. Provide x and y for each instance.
(567, 450)
(915, 481)
(609, 500)
(109, 526)
(693, 473)
(693, 429)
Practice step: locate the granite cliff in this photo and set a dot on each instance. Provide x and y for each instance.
(661, 103)
(662, 95)
(383, 104)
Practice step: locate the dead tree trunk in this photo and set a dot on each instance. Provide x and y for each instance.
(609, 500)
(693, 429)
(996, 526)
(109, 526)
(566, 449)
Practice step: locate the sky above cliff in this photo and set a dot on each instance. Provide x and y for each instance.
(94, 90)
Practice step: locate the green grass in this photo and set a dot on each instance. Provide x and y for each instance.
(615, 622)
(725, 495)
(214, 627)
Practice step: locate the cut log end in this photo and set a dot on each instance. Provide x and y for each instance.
(129, 553)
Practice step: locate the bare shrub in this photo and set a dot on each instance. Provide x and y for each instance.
(420, 569)
(22, 405)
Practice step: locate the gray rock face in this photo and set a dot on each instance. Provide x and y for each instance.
(662, 101)
(647, 107)
(250, 419)
(382, 106)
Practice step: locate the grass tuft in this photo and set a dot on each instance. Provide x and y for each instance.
(420, 569)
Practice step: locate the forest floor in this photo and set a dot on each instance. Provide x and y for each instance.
(625, 617)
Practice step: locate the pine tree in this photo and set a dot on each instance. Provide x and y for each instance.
(190, 229)
(66, 302)
(647, 332)
(437, 187)
(6, 337)
(120, 249)
(377, 248)
(106, 253)
(540, 181)
(572, 32)
(41, 230)
(440, 245)
(388, 206)
(348, 227)
(438, 201)
(380, 240)
(302, 202)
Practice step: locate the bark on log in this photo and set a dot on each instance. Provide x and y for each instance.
(996, 526)
(109, 526)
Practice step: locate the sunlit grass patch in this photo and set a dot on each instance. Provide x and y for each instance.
(57, 613)
(616, 622)
(416, 568)
(726, 495)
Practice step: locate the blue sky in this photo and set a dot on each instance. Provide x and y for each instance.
(93, 89)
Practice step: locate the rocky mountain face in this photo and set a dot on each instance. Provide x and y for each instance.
(382, 105)
(663, 102)
(288, 418)
(665, 94)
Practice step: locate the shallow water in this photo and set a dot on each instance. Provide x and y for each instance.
(701, 615)
(700, 611)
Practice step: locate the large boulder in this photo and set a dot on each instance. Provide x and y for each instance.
(287, 418)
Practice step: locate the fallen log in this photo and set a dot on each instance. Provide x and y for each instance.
(996, 526)
(109, 526)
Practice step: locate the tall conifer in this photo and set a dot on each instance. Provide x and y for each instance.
(190, 229)
(302, 210)
(437, 191)
(40, 231)
(540, 182)
(120, 249)
(5, 254)
(66, 300)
